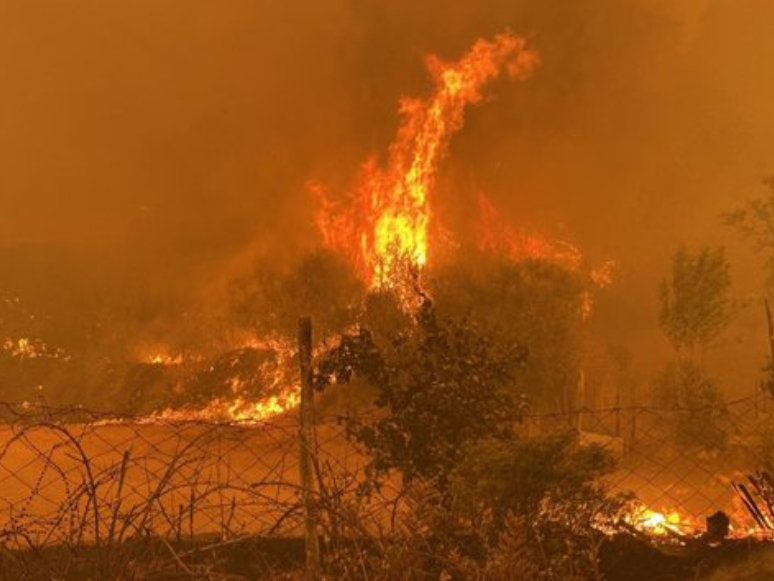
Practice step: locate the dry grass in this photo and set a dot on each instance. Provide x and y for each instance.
(157, 500)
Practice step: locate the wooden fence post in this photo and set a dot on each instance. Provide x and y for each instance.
(305, 441)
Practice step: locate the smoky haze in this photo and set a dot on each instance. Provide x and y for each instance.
(159, 146)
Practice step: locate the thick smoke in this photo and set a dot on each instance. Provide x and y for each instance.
(149, 151)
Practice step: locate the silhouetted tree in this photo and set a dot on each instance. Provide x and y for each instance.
(441, 385)
(697, 405)
(755, 221)
(535, 303)
(695, 307)
(269, 301)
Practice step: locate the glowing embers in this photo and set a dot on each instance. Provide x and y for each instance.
(31, 348)
(663, 524)
(385, 228)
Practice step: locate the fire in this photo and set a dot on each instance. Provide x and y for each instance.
(385, 230)
(671, 523)
(164, 359)
(237, 410)
(662, 523)
(497, 236)
(30, 348)
(276, 376)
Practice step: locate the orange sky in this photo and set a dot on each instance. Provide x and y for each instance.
(170, 139)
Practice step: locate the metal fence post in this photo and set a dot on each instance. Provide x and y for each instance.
(305, 439)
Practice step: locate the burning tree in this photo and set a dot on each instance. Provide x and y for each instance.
(386, 226)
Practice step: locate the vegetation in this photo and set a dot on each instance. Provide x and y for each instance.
(268, 301)
(548, 484)
(697, 406)
(755, 221)
(535, 303)
(441, 385)
(758, 567)
(494, 501)
(695, 306)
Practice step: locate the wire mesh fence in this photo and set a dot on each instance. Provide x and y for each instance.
(680, 460)
(74, 477)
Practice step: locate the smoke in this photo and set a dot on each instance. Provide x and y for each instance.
(154, 148)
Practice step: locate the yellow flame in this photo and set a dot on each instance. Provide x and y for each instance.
(661, 524)
(235, 410)
(386, 229)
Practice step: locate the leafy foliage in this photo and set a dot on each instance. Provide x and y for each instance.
(535, 303)
(695, 306)
(322, 286)
(440, 386)
(551, 485)
(492, 504)
(755, 221)
(519, 475)
(697, 403)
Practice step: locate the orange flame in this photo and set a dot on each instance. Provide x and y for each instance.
(280, 386)
(672, 523)
(501, 238)
(385, 230)
(662, 524)
(498, 237)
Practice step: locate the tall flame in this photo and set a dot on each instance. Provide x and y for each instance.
(385, 230)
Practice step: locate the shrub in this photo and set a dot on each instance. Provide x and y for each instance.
(697, 405)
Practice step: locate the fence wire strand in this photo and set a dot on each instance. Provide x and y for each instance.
(72, 476)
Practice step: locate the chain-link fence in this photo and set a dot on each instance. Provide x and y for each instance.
(70, 476)
(680, 461)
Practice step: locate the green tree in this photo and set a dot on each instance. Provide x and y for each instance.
(534, 303)
(695, 307)
(696, 404)
(440, 385)
(268, 301)
(755, 221)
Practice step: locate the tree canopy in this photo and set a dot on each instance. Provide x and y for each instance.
(441, 385)
(269, 300)
(695, 305)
